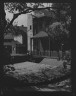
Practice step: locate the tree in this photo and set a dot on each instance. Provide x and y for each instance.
(2, 27)
(58, 33)
(63, 11)
(59, 30)
(63, 14)
(17, 9)
(2, 53)
(14, 30)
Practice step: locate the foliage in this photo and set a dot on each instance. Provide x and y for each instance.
(21, 6)
(36, 5)
(15, 30)
(57, 31)
(15, 6)
(63, 13)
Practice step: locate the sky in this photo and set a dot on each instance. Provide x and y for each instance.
(22, 19)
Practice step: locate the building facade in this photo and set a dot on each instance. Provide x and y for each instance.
(29, 31)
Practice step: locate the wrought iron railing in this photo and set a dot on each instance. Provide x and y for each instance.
(45, 53)
(59, 54)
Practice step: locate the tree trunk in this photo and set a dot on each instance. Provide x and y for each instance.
(2, 53)
(2, 28)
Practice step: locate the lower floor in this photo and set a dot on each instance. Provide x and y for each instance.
(16, 49)
(47, 47)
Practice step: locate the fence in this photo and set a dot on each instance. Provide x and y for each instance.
(59, 54)
(46, 53)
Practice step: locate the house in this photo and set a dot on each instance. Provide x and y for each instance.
(42, 42)
(15, 41)
(36, 22)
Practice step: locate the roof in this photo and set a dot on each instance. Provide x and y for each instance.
(11, 43)
(23, 28)
(41, 34)
(44, 12)
(8, 36)
(16, 42)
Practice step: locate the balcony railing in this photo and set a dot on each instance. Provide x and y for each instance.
(53, 54)
(45, 53)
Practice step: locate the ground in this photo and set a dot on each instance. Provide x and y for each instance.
(29, 72)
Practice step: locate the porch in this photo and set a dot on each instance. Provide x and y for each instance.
(42, 46)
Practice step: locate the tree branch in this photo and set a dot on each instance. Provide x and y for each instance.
(24, 12)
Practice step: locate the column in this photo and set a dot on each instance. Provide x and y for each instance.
(31, 45)
(49, 46)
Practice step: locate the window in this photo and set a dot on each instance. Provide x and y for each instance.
(30, 27)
